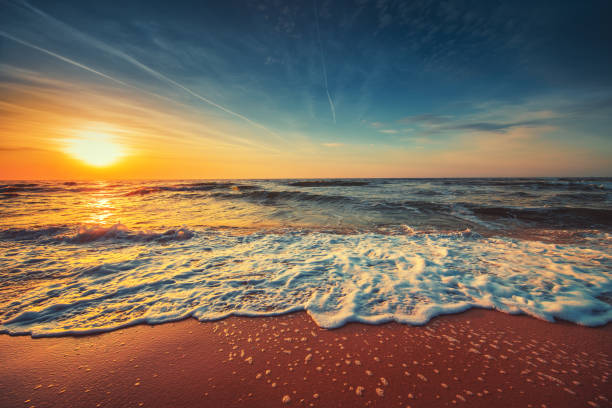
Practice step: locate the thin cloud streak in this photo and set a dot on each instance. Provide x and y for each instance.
(62, 58)
(329, 98)
(114, 51)
(80, 65)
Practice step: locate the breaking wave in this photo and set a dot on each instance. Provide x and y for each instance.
(90, 233)
(337, 279)
(121, 232)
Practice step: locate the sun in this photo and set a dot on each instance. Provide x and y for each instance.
(95, 149)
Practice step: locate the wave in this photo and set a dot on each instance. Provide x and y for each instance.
(88, 234)
(144, 191)
(26, 188)
(425, 207)
(370, 278)
(584, 197)
(559, 216)
(6, 196)
(592, 184)
(29, 234)
(203, 186)
(269, 197)
(329, 183)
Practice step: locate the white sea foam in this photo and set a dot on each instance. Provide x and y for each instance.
(336, 278)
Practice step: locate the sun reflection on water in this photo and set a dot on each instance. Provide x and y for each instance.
(101, 205)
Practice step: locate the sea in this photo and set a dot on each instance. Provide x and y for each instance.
(80, 257)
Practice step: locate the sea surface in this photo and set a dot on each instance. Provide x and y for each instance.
(85, 257)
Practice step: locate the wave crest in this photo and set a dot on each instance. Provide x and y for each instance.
(90, 233)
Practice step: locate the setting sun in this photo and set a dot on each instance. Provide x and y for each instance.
(95, 149)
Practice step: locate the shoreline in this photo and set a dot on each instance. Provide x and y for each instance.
(475, 358)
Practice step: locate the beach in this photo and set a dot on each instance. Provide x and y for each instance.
(479, 358)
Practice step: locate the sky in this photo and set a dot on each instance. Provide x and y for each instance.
(277, 89)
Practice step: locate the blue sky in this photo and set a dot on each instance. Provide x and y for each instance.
(320, 88)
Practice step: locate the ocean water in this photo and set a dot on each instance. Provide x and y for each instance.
(84, 257)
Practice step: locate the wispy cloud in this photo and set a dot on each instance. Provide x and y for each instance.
(332, 144)
(332, 107)
(439, 123)
(22, 149)
(62, 58)
(428, 118)
(132, 60)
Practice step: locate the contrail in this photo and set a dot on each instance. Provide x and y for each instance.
(78, 64)
(68, 60)
(103, 75)
(114, 51)
(329, 98)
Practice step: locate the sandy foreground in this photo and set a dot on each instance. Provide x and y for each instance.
(479, 358)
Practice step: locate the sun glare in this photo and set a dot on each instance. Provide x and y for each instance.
(95, 149)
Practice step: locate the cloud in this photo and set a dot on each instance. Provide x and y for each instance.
(23, 149)
(335, 144)
(494, 127)
(62, 58)
(428, 118)
(590, 106)
(388, 131)
(441, 123)
(126, 57)
(332, 107)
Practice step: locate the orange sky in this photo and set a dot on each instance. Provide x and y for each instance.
(214, 126)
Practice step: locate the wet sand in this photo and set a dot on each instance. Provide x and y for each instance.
(479, 358)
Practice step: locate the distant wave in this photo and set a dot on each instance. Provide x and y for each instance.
(28, 234)
(205, 186)
(144, 191)
(560, 216)
(273, 197)
(412, 205)
(592, 184)
(329, 183)
(90, 233)
(26, 188)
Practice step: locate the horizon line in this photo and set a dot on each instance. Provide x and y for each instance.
(311, 178)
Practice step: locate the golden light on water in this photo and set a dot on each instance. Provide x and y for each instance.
(95, 149)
